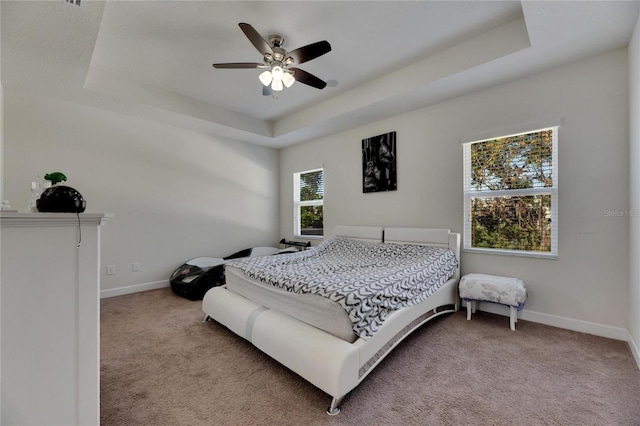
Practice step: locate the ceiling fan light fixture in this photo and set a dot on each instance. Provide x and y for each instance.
(287, 79)
(276, 85)
(265, 78)
(277, 72)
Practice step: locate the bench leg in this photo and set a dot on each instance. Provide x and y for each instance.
(470, 309)
(514, 317)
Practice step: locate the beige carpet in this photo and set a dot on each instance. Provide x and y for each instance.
(161, 366)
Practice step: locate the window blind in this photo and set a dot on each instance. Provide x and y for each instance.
(311, 185)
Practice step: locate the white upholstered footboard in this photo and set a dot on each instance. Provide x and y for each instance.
(328, 362)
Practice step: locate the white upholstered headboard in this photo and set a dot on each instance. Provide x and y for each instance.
(372, 234)
(424, 236)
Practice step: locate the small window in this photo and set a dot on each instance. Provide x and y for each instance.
(308, 200)
(511, 194)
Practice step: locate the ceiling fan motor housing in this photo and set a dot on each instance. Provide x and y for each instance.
(276, 40)
(279, 55)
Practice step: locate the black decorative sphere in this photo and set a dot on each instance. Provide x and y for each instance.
(61, 199)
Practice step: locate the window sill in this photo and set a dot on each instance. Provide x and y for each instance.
(308, 237)
(535, 254)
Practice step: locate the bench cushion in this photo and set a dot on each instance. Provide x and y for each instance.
(492, 288)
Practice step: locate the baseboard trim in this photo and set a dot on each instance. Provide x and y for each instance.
(596, 329)
(634, 349)
(112, 292)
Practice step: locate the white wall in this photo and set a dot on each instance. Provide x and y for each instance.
(176, 194)
(634, 195)
(586, 287)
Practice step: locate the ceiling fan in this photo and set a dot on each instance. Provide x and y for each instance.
(279, 72)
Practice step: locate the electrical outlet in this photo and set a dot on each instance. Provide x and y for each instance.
(135, 267)
(111, 269)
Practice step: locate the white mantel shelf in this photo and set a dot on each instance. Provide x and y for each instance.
(50, 318)
(14, 219)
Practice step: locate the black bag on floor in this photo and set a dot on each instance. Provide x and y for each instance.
(198, 275)
(193, 279)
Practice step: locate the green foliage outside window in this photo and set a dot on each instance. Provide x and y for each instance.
(311, 218)
(512, 223)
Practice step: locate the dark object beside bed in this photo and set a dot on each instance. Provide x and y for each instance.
(197, 276)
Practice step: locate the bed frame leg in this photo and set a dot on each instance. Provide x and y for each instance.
(334, 408)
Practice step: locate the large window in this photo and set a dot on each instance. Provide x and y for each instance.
(511, 194)
(308, 200)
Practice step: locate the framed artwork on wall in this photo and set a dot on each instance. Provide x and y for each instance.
(379, 163)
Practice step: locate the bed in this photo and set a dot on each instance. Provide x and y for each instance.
(325, 340)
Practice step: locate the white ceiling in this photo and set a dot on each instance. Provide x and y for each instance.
(153, 59)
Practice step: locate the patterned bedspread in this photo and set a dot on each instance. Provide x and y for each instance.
(367, 280)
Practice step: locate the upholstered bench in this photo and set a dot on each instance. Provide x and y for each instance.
(495, 289)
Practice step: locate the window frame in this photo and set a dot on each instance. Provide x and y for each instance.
(470, 194)
(297, 204)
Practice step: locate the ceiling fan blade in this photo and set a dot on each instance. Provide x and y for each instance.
(240, 65)
(310, 51)
(309, 79)
(267, 91)
(256, 39)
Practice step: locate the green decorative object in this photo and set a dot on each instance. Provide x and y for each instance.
(60, 198)
(55, 177)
